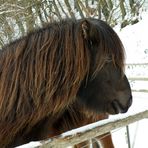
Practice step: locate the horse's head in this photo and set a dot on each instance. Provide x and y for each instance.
(108, 92)
(106, 88)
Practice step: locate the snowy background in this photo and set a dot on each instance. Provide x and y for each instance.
(135, 40)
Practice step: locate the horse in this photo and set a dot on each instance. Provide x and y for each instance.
(51, 68)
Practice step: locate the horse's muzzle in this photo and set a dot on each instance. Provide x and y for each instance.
(116, 107)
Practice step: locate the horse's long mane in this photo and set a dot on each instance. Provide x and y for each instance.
(40, 73)
(46, 64)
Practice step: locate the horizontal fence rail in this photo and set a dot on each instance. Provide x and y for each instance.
(87, 132)
(138, 79)
(90, 131)
(136, 64)
(140, 90)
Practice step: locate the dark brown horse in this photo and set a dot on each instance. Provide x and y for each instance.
(48, 70)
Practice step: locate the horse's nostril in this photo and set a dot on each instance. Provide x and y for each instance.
(131, 97)
(130, 101)
(117, 107)
(120, 108)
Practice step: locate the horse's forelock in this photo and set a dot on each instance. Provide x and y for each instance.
(109, 47)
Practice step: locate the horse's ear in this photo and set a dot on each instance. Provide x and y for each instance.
(88, 29)
(85, 28)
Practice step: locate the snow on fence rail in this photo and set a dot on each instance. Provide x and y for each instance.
(87, 132)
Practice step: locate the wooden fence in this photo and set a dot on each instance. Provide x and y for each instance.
(87, 132)
(93, 130)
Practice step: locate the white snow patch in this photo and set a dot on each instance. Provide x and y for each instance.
(30, 145)
(135, 40)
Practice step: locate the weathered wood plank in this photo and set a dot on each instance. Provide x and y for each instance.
(90, 131)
